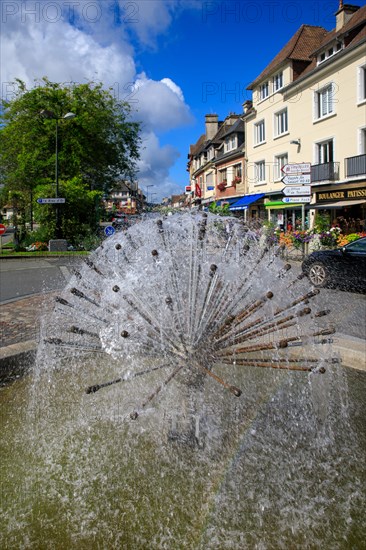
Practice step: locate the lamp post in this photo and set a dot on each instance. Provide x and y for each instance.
(50, 114)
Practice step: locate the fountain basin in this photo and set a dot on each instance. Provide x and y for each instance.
(282, 466)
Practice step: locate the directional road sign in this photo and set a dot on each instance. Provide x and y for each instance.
(299, 168)
(57, 200)
(109, 230)
(296, 199)
(296, 190)
(297, 179)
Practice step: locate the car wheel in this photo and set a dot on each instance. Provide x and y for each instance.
(318, 274)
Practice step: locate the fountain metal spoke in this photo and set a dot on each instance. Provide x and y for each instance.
(96, 387)
(154, 394)
(233, 389)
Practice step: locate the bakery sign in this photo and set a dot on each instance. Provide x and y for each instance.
(341, 195)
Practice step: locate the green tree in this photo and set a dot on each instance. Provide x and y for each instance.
(78, 214)
(98, 146)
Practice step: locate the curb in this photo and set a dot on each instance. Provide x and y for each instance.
(351, 350)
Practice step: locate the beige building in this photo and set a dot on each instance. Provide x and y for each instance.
(309, 106)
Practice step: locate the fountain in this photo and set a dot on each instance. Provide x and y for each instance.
(186, 395)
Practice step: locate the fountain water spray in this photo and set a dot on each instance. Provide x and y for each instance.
(194, 292)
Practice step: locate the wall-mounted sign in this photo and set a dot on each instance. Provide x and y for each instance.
(341, 195)
(297, 179)
(296, 199)
(295, 190)
(298, 168)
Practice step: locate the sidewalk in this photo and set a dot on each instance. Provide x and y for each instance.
(20, 319)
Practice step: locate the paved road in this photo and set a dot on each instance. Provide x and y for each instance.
(24, 277)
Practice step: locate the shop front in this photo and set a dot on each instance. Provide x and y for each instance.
(286, 217)
(250, 205)
(345, 208)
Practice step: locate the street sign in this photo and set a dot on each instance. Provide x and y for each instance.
(297, 179)
(109, 230)
(296, 190)
(2, 229)
(58, 200)
(296, 199)
(299, 168)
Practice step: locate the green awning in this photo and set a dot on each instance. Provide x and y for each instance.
(277, 205)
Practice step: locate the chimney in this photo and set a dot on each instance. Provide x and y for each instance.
(231, 118)
(212, 125)
(247, 105)
(344, 14)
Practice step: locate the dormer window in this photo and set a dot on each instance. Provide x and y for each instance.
(335, 48)
(278, 81)
(264, 91)
(230, 143)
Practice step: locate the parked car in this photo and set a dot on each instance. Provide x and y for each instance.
(342, 267)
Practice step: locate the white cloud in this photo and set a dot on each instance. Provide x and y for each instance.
(154, 166)
(89, 41)
(62, 53)
(160, 104)
(150, 18)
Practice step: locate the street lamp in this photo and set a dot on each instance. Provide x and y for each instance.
(45, 113)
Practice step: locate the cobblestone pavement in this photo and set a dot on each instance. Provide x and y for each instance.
(20, 319)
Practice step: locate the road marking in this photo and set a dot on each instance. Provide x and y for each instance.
(65, 272)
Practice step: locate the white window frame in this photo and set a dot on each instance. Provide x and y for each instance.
(259, 133)
(330, 51)
(361, 84)
(260, 172)
(324, 102)
(362, 141)
(277, 81)
(230, 143)
(222, 175)
(279, 161)
(278, 123)
(320, 157)
(209, 179)
(238, 170)
(264, 91)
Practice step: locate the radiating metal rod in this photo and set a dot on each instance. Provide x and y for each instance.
(135, 414)
(233, 389)
(97, 387)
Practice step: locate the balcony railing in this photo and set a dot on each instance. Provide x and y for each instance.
(355, 166)
(328, 171)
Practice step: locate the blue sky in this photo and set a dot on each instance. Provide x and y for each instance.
(173, 60)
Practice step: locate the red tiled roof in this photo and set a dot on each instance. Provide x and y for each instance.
(308, 40)
(299, 47)
(356, 20)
